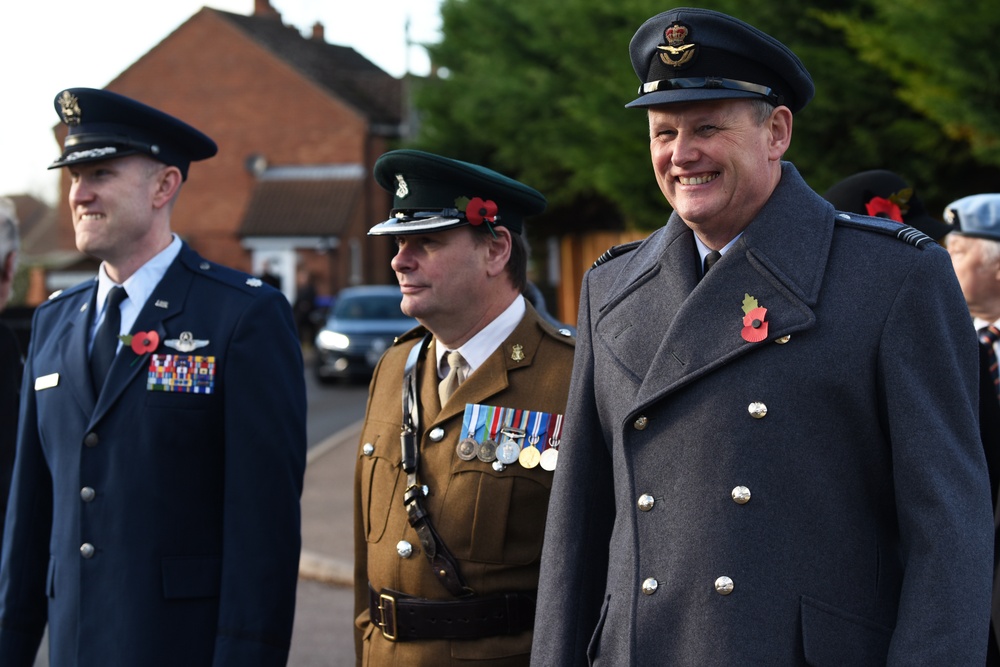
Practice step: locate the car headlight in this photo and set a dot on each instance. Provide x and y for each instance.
(331, 340)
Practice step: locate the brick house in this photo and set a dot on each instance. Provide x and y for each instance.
(299, 123)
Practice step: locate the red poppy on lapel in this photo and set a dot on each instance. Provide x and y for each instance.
(754, 320)
(145, 341)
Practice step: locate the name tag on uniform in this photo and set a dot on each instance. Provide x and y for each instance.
(46, 381)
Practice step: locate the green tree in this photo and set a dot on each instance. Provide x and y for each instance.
(536, 89)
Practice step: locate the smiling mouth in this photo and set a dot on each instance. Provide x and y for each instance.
(91, 216)
(697, 180)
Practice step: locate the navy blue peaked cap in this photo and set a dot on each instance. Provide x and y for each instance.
(686, 54)
(104, 125)
(432, 193)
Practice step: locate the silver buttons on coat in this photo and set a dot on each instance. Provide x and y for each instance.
(91, 440)
(649, 586)
(723, 585)
(404, 549)
(368, 449)
(87, 494)
(646, 502)
(436, 434)
(87, 550)
(741, 495)
(640, 423)
(757, 410)
(782, 340)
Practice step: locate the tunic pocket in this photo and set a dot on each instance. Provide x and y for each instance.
(380, 472)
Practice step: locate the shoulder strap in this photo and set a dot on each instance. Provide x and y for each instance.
(442, 563)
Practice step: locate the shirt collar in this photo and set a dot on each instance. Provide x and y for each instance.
(478, 348)
(138, 286)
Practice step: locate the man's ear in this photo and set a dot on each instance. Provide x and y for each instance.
(780, 125)
(498, 245)
(168, 182)
(9, 266)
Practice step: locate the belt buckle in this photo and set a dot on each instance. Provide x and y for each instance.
(383, 624)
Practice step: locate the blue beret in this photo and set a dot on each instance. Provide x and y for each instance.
(432, 193)
(105, 125)
(685, 54)
(977, 216)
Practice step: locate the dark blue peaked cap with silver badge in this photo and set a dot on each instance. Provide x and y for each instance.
(432, 193)
(686, 55)
(104, 125)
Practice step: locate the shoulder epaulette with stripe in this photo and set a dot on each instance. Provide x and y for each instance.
(616, 251)
(903, 232)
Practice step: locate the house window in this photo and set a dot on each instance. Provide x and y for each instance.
(355, 262)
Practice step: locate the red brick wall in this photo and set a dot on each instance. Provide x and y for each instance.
(213, 76)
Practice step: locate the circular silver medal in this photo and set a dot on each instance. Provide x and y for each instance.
(487, 451)
(549, 458)
(508, 451)
(466, 448)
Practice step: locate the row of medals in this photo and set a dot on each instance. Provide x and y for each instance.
(509, 450)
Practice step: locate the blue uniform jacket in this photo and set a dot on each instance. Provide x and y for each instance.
(810, 493)
(159, 527)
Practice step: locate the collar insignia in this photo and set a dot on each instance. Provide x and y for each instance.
(517, 352)
(675, 52)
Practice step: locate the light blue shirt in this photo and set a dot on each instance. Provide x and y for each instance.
(703, 250)
(138, 287)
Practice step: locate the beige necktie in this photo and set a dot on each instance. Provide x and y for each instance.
(454, 378)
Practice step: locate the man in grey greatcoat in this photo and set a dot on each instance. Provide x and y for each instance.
(777, 461)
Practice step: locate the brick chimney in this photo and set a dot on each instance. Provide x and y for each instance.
(263, 8)
(318, 34)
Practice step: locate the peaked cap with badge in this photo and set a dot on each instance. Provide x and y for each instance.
(977, 216)
(884, 194)
(104, 125)
(687, 54)
(432, 193)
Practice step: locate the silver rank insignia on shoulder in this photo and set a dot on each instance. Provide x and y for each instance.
(254, 282)
(186, 342)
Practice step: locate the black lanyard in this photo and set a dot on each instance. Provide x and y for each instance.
(442, 562)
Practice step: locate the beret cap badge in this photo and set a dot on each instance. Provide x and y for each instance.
(69, 108)
(675, 52)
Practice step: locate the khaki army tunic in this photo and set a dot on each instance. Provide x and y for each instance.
(491, 521)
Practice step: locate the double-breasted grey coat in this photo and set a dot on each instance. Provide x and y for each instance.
(806, 489)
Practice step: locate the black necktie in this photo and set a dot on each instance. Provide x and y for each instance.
(106, 338)
(988, 337)
(710, 260)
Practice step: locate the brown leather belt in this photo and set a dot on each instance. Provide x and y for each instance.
(402, 618)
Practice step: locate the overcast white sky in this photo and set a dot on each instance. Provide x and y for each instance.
(48, 45)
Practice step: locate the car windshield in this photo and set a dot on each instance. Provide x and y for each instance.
(369, 308)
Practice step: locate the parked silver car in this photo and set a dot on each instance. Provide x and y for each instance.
(363, 322)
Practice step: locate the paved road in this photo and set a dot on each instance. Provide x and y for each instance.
(323, 633)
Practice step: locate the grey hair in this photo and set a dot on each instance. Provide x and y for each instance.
(9, 237)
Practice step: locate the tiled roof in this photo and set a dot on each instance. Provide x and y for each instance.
(304, 201)
(340, 69)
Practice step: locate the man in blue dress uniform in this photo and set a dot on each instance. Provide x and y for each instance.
(154, 511)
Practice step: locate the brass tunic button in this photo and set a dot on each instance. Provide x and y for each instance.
(404, 549)
(436, 434)
(368, 449)
(91, 440)
(646, 502)
(87, 550)
(782, 340)
(87, 494)
(741, 495)
(724, 585)
(757, 410)
(640, 423)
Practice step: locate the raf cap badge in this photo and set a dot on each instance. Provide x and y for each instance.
(69, 108)
(675, 52)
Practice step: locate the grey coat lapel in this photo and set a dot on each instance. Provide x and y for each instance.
(781, 265)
